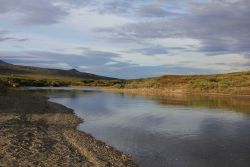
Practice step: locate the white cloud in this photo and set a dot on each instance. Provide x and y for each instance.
(205, 35)
(59, 65)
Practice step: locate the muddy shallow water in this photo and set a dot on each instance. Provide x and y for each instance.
(175, 130)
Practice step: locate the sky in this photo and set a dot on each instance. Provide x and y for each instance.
(127, 38)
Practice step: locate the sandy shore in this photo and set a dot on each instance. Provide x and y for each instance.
(36, 132)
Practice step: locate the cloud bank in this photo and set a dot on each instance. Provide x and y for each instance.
(127, 39)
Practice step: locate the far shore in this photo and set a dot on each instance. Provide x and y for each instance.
(165, 92)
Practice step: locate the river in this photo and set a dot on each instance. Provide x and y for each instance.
(169, 131)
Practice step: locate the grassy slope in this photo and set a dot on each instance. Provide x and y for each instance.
(34, 76)
(232, 83)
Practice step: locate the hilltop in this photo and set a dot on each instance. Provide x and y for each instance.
(3, 63)
(18, 75)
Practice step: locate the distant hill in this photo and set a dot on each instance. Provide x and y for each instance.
(3, 63)
(30, 76)
(8, 69)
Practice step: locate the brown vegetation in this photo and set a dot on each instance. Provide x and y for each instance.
(233, 83)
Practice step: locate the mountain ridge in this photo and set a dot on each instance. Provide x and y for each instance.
(10, 69)
(4, 63)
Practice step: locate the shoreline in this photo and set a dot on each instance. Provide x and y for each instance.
(39, 132)
(166, 92)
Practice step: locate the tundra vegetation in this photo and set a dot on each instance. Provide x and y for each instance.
(231, 83)
(16, 76)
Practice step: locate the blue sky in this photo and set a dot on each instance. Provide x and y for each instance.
(127, 39)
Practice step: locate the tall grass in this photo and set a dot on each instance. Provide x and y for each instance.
(235, 83)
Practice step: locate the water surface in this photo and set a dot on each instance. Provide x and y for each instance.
(174, 131)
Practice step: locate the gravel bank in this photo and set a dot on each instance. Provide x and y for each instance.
(36, 132)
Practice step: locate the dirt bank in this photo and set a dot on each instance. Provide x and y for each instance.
(167, 92)
(36, 132)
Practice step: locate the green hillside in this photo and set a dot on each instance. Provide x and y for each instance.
(16, 75)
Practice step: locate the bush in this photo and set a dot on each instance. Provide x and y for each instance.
(204, 84)
(213, 79)
(87, 81)
(118, 85)
(16, 82)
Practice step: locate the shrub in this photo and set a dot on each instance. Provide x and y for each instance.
(87, 81)
(213, 79)
(204, 84)
(118, 85)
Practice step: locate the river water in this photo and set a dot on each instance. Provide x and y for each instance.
(169, 131)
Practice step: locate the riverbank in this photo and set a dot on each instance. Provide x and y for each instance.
(36, 132)
(232, 83)
(167, 92)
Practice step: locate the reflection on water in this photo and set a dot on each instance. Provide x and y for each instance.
(234, 103)
(170, 131)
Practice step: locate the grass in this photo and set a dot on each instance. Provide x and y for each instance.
(15, 76)
(26, 80)
(232, 83)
